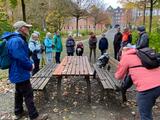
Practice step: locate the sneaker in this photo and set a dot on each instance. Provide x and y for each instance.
(41, 117)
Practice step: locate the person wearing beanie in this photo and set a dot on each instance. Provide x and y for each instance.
(19, 71)
(143, 40)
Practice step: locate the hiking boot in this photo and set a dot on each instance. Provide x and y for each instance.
(19, 116)
(41, 117)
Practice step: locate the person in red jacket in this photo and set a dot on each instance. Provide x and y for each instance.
(147, 81)
(126, 37)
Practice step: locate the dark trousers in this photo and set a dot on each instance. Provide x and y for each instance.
(126, 84)
(103, 51)
(94, 50)
(70, 54)
(24, 90)
(146, 100)
(57, 57)
(36, 64)
(116, 51)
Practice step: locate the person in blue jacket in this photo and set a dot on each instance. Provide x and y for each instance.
(19, 71)
(103, 44)
(48, 42)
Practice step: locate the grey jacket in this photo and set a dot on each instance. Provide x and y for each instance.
(143, 41)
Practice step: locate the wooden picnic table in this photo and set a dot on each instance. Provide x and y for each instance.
(73, 66)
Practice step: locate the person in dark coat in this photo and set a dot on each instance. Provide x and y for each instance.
(117, 42)
(70, 44)
(103, 44)
(143, 40)
(92, 45)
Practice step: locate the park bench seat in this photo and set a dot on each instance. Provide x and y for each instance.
(106, 76)
(41, 78)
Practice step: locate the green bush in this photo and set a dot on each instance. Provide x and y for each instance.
(5, 26)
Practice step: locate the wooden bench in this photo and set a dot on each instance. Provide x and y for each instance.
(41, 78)
(105, 76)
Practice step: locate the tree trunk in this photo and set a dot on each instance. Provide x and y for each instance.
(23, 10)
(77, 30)
(151, 10)
(95, 27)
(144, 13)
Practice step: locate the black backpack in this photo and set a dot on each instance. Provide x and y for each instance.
(148, 57)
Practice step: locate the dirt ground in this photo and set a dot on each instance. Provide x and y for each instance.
(74, 105)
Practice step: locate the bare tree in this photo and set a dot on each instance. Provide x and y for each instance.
(79, 9)
(98, 13)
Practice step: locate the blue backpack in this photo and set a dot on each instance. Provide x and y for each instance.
(5, 60)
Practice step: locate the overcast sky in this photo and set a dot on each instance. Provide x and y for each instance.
(113, 3)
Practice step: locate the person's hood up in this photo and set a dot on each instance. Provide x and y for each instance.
(8, 34)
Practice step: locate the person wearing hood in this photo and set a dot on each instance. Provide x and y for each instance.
(19, 71)
(58, 46)
(143, 40)
(92, 45)
(147, 81)
(103, 44)
(48, 43)
(70, 44)
(35, 48)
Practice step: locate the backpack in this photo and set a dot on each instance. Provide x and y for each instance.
(148, 57)
(5, 60)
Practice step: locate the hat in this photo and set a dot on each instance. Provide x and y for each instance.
(20, 24)
(141, 28)
(36, 32)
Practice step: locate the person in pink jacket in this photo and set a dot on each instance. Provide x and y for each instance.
(147, 81)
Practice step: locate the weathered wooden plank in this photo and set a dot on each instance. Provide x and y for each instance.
(85, 66)
(78, 65)
(42, 86)
(81, 64)
(90, 71)
(70, 67)
(73, 71)
(67, 66)
(58, 71)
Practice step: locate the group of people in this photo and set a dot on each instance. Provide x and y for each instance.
(102, 45)
(48, 46)
(147, 81)
(131, 70)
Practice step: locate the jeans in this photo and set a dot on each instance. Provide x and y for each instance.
(24, 90)
(94, 50)
(57, 57)
(49, 57)
(146, 100)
